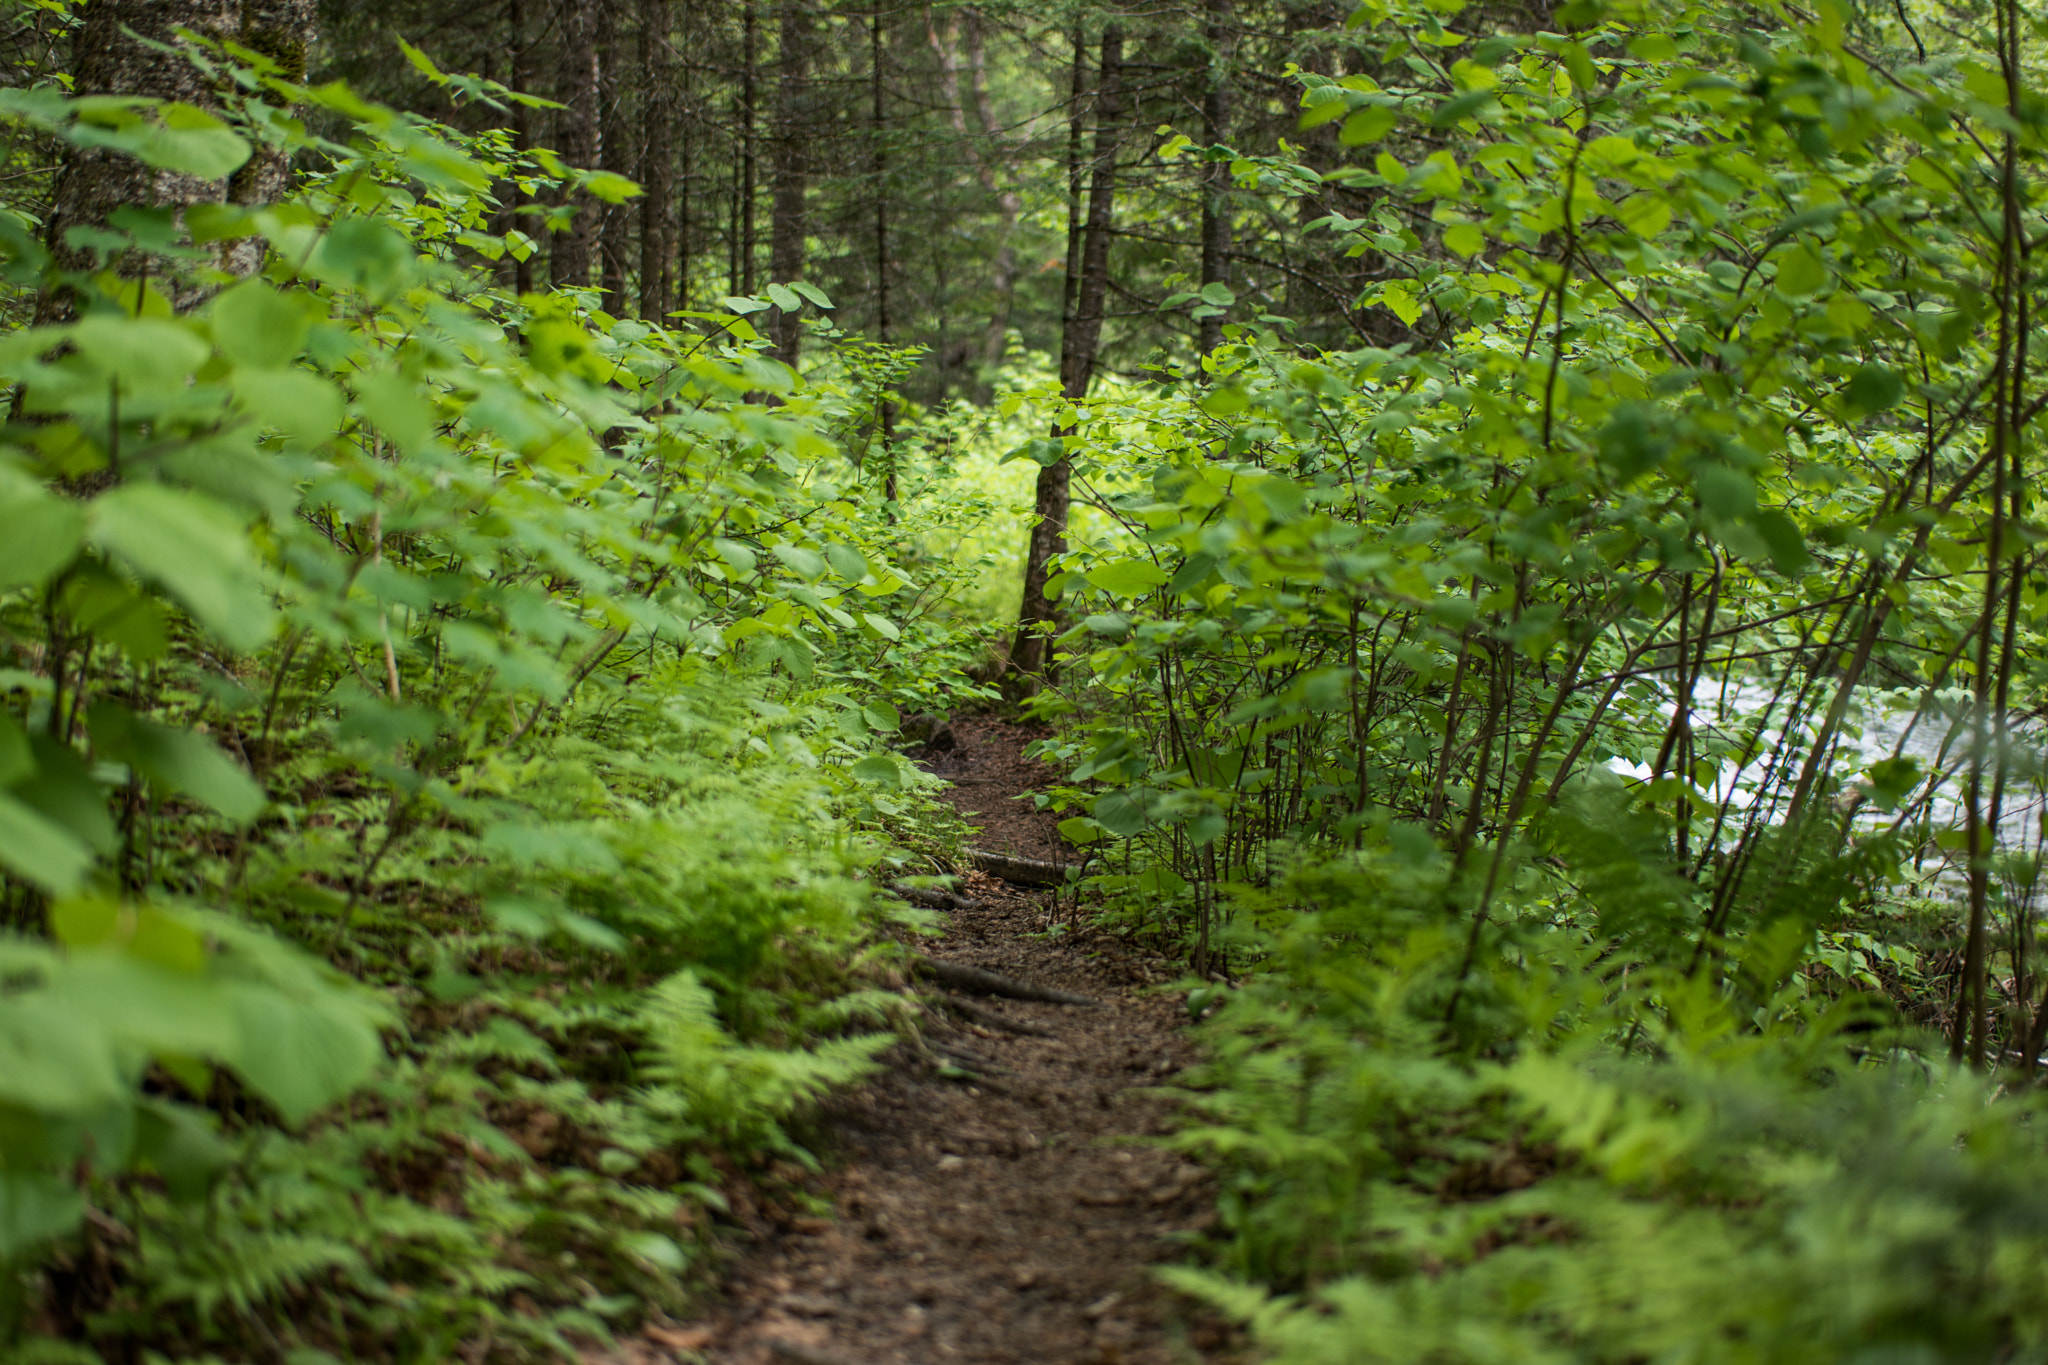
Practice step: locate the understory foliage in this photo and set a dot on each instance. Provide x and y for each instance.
(1503, 708)
(443, 768)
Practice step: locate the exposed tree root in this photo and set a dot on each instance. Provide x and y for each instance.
(968, 1060)
(988, 983)
(987, 1018)
(931, 897)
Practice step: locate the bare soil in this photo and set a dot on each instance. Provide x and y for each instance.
(1005, 1215)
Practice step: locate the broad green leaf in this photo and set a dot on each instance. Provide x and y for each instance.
(1801, 270)
(611, 187)
(302, 405)
(741, 559)
(879, 769)
(1120, 815)
(1225, 400)
(1080, 829)
(1127, 577)
(39, 534)
(1646, 215)
(1397, 299)
(1726, 491)
(1368, 125)
(785, 298)
(177, 760)
(35, 1209)
(17, 758)
(808, 565)
(1465, 238)
(394, 404)
(301, 1052)
(847, 562)
(257, 327)
(1870, 390)
(192, 548)
(1892, 780)
(143, 354)
(39, 851)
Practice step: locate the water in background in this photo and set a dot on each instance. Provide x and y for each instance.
(1879, 724)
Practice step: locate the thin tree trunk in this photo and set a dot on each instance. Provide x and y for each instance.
(1216, 174)
(749, 59)
(1076, 86)
(522, 134)
(615, 154)
(685, 127)
(792, 132)
(576, 136)
(885, 417)
(657, 163)
(1078, 345)
(1003, 268)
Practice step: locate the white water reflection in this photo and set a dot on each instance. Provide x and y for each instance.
(1937, 733)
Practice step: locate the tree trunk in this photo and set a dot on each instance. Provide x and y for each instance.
(615, 154)
(1003, 272)
(684, 124)
(1077, 85)
(281, 30)
(750, 57)
(576, 87)
(113, 55)
(657, 164)
(1078, 344)
(522, 137)
(793, 131)
(1003, 268)
(877, 132)
(1216, 173)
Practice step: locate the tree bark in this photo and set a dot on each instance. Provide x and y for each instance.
(522, 136)
(576, 137)
(1216, 173)
(1078, 345)
(750, 58)
(1003, 268)
(790, 223)
(112, 55)
(885, 416)
(615, 154)
(657, 165)
(1077, 85)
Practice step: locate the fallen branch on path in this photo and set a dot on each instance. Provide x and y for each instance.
(988, 983)
(975, 1014)
(1022, 871)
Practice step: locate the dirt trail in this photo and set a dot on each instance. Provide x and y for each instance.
(982, 1222)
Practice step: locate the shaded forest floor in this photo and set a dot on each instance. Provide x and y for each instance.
(1010, 1218)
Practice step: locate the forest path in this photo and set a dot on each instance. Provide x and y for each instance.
(1002, 1220)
